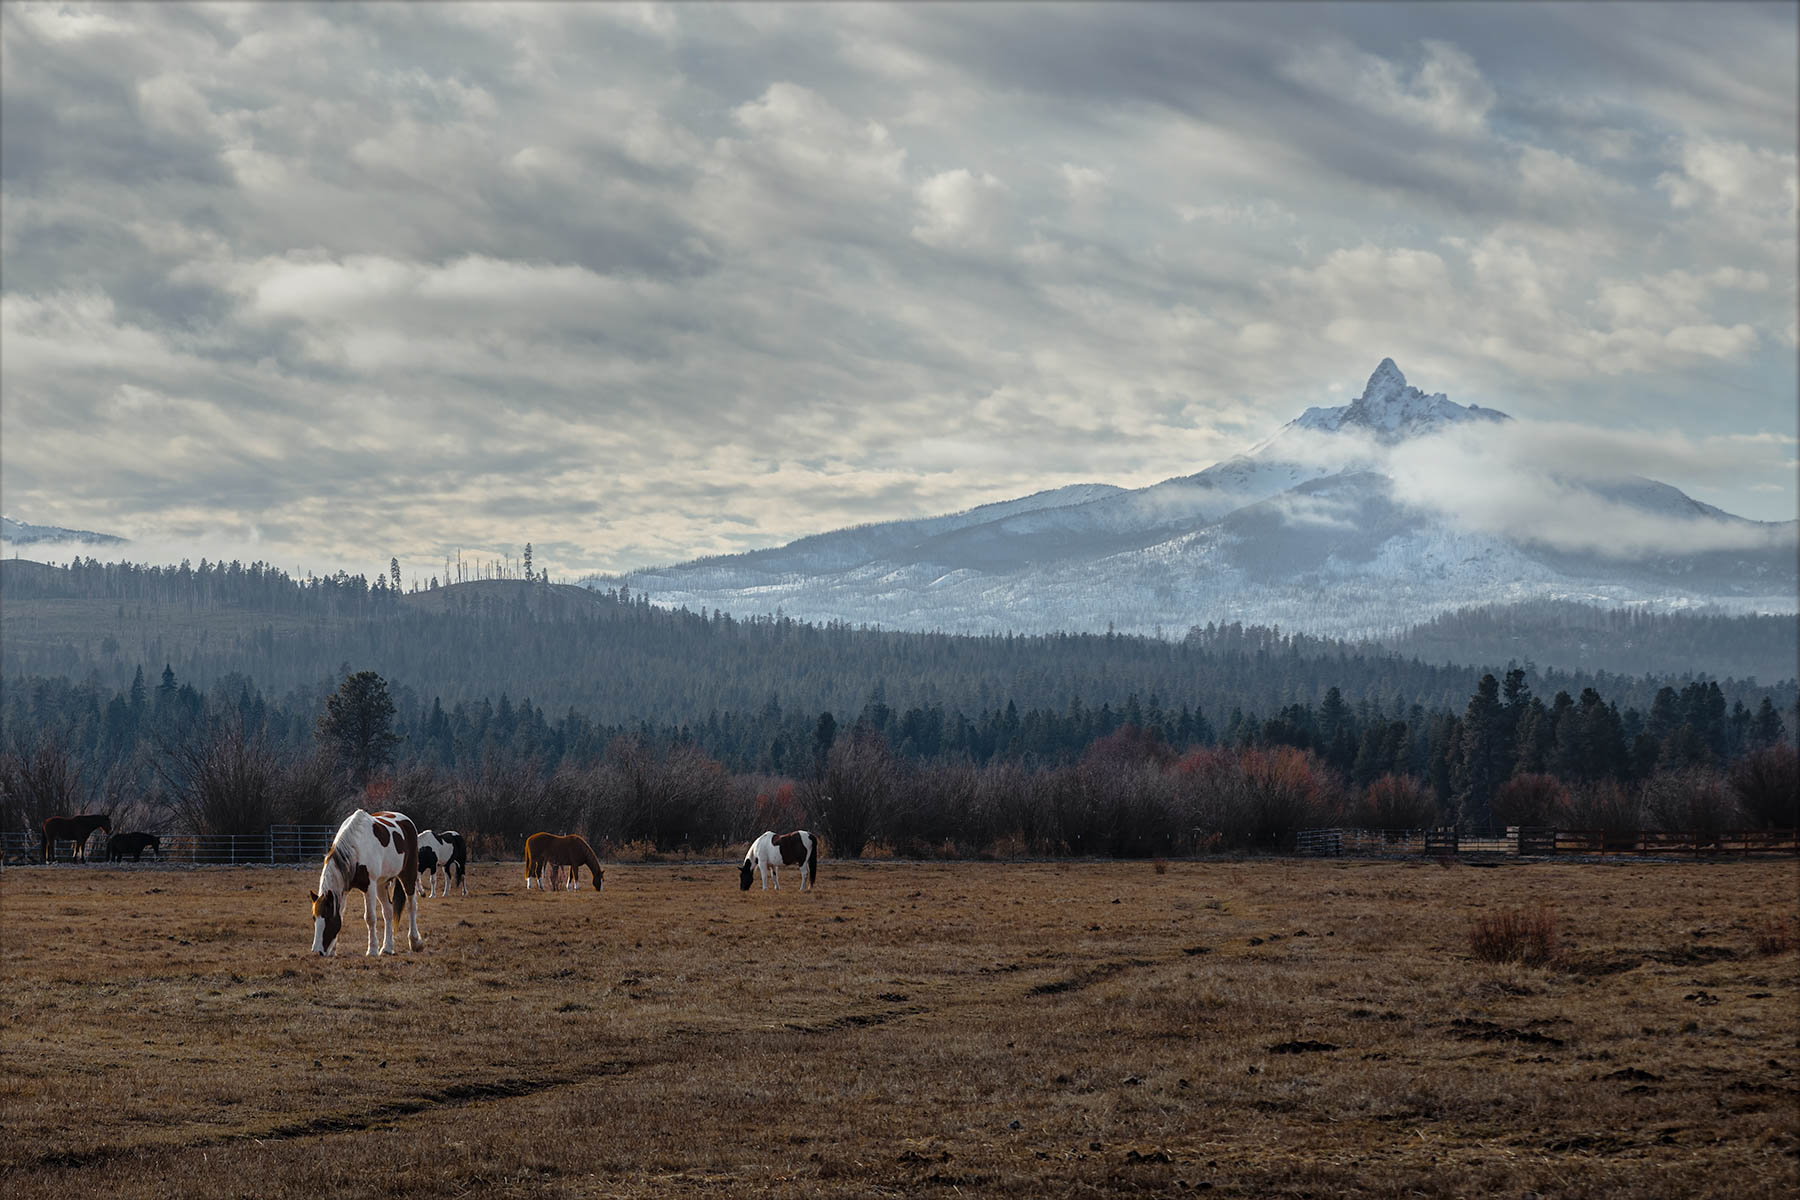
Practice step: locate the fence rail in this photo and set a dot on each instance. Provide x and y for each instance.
(276, 844)
(1535, 842)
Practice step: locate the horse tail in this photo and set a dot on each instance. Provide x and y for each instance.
(529, 864)
(399, 900)
(812, 861)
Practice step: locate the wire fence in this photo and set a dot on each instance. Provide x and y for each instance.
(276, 844)
(1539, 842)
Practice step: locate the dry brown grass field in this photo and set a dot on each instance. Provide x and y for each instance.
(1244, 1028)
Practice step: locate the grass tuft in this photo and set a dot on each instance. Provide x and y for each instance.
(1515, 935)
(1775, 935)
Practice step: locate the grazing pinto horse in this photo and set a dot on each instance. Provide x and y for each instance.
(134, 844)
(444, 848)
(73, 829)
(555, 850)
(768, 854)
(368, 851)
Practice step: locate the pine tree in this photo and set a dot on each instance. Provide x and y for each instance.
(1487, 754)
(1765, 728)
(357, 725)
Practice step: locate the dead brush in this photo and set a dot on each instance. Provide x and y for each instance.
(1160, 865)
(1774, 935)
(1515, 935)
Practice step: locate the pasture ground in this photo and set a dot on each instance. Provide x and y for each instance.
(1288, 1028)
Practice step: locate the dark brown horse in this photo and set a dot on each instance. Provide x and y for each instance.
(134, 844)
(73, 829)
(555, 850)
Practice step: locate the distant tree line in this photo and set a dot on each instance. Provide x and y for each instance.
(1630, 641)
(620, 660)
(1141, 778)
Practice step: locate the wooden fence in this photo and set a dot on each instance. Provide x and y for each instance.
(1535, 842)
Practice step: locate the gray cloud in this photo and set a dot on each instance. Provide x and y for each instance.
(640, 283)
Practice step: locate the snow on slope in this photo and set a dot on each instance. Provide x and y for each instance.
(1302, 531)
(23, 533)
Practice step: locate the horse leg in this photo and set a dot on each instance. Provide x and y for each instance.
(415, 939)
(388, 917)
(370, 901)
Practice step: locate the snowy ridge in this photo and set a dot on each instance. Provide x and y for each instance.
(1303, 531)
(22, 533)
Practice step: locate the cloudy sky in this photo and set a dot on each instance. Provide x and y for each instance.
(325, 285)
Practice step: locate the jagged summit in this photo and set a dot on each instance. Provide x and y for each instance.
(1393, 410)
(1306, 529)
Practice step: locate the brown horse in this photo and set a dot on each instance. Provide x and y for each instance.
(555, 850)
(73, 829)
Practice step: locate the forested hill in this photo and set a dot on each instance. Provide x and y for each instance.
(618, 659)
(1581, 637)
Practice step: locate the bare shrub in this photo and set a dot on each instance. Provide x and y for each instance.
(1531, 799)
(1160, 865)
(39, 780)
(423, 794)
(224, 780)
(1690, 798)
(674, 795)
(1515, 935)
(1007, 799)
(852, 798)
(509, 800)
(312, 792)
(1255, 797)
(1396, 802)
(940, 801)
(1605, 805)
(1766, 783)
(780, 808)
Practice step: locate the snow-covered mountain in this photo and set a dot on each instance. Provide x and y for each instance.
(1307, 530)
(21, 533)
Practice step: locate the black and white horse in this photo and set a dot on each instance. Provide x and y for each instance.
(444, 848)
(769, 853)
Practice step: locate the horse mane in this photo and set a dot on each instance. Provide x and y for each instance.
(338, 858)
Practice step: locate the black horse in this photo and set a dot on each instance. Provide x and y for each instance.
(73, 829)
(134, 844)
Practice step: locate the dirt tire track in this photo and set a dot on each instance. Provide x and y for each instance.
(455, 1096)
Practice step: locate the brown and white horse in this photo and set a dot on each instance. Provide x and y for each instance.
(554, 850)
(368, 851)
(73, 829)
(769, 853)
